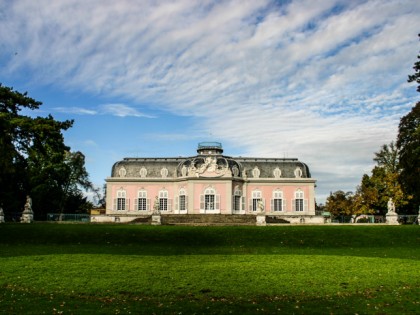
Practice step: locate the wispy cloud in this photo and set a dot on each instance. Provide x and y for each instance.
(324, 81)
(119, 110)
(75, 110)
(122, 110)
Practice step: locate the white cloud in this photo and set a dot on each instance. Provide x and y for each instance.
(323, 81)
(121, 110)
(75, 110)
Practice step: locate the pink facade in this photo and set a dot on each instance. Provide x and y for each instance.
(210, 182)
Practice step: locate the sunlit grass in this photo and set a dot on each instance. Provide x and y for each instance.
(123, 269)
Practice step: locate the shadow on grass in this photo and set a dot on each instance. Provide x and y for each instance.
(366, 241)
(378, 301)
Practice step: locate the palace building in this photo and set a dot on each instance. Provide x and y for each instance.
(210, 183)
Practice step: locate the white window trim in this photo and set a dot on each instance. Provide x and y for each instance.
(121, 195)
(278, 195)
(178, 204)
(300, 195)
(216, 204)
(164, 200)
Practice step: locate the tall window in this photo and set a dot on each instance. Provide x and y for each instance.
(277, 201)
(163, 200)
(298, 205)
(120, 201)
(256, 202)
(182, 200)
(209, 201)
(237, 200)
(142, 204)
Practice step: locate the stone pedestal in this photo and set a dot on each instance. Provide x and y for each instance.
(156, 220)
(1, 215)
(27, 217)
(261, 220)
(392, 219)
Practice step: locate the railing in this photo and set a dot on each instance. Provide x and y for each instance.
(402, 219)
(209, 144)
(408, 219)
(365, 218)
(68, 217)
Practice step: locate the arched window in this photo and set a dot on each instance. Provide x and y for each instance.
(120, 203)
(143, 172)
(278, 203)
(163, 200)
(122, 172)
(164, 172)
(299, 203)
(182, 200)
(210, 201)
(237, 200)
(142, 203)
(277, 173)
(298, 172)
(256, 172)
(257, 202)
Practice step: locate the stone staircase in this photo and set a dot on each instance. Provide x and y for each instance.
(208, 219)
(276, 219)
(146, 219)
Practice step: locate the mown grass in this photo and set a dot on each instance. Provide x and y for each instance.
(110, 269)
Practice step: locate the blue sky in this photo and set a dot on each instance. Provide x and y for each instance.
(323, 81)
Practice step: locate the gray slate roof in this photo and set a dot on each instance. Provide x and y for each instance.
(154, 166)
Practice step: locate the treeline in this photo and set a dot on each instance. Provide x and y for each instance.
(396, 174)
(35, 161)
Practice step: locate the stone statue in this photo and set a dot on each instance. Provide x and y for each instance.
(28, 204)
(156, 213)
(1, 215)
(260, 205)
(156, 206)
(184, 171)
(391, 207)
(27, 214)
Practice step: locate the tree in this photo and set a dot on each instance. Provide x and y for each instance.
(408, 142)
(387, 158)
(34, 159)
(339, 203)
(74, 178)
(366, 199)
(373, 193)
(416, 76)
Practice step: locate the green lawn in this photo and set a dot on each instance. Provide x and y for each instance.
(122, 269)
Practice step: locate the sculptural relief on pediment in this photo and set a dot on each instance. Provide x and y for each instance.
(209, 166)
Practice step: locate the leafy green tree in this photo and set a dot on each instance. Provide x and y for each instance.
(373, 193)
(387, 158)
(416, 76)
(74, 178)
(408, 142)
(34, 159)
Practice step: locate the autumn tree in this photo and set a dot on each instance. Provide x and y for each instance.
(339, 203)
(373, 193)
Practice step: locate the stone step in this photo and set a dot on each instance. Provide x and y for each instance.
(208, 219)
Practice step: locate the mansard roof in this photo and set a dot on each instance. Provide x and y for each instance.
(242, 167)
